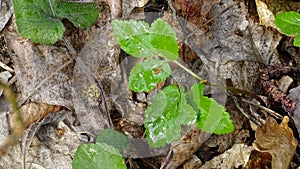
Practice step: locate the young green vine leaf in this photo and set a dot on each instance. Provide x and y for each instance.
(166, 114)
(40, 21)
(99, 155)
(145, 75)
(169, 109)
(138, 39)
(289, 24)
(212, 117)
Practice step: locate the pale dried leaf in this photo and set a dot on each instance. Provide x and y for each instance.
(129, 5)
(277, 140)
(59, 155)
(4, 127)
(236, 157)
(266, 17)
(6, 10)
(295, 96)
(4, 76)
(284, 83)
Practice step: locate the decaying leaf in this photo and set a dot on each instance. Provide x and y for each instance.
(277, 140)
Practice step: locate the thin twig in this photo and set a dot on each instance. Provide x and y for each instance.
(6, 67)
(166, 160)
(245, 114)
(275, 114)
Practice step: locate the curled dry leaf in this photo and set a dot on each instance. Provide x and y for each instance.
(277, 140)
(34, 112)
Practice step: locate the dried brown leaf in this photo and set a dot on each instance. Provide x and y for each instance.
(34, 112)
(277, 140)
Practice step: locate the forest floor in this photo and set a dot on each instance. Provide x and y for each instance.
(223, 41)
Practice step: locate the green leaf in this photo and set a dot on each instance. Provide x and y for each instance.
(289, 24)
(96, 156)
(36, 21)
(145, 75)
(139, 40)
(166, 114)
(114, 138)
(212, 117)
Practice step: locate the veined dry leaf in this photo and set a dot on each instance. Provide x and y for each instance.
(277, 140)
(34, 112)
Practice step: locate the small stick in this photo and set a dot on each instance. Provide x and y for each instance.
(245, 114)
(6, 67)
(275, 114)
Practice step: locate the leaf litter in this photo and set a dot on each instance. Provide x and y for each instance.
(253, 46)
